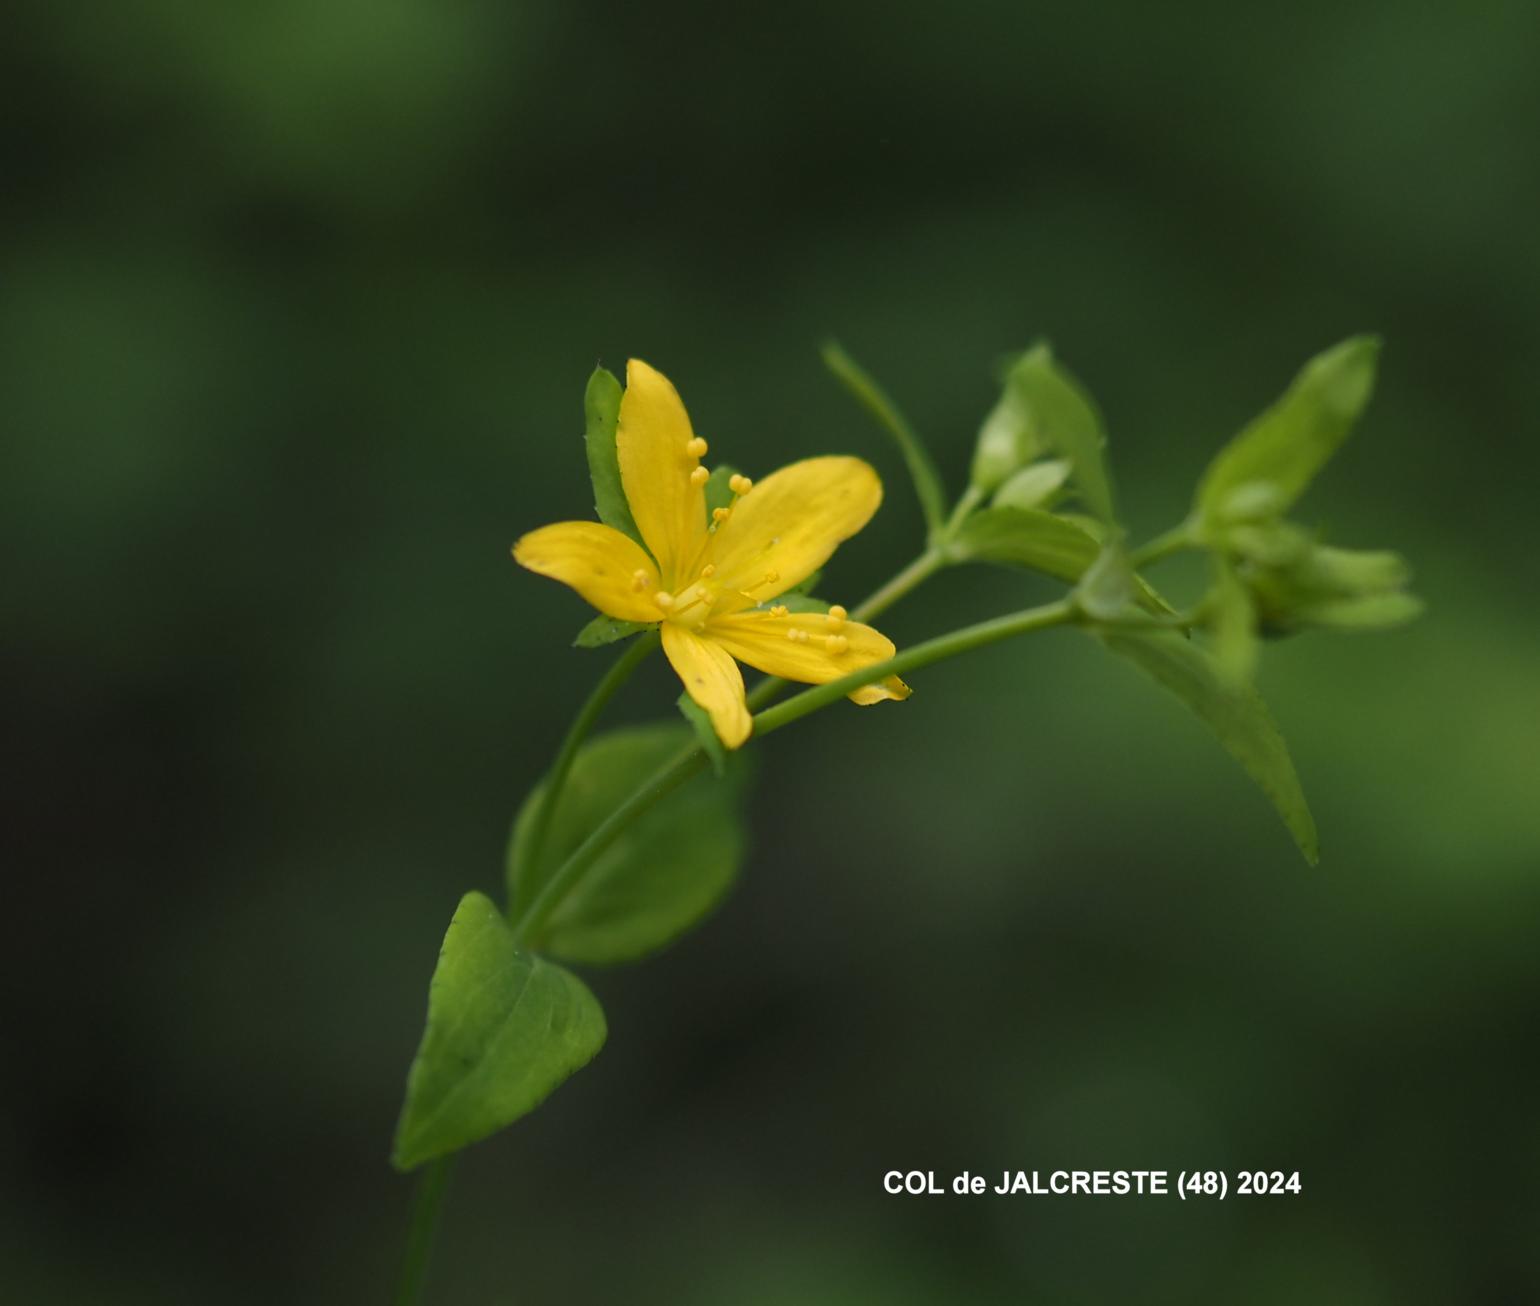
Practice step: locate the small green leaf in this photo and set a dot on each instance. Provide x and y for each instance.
(1035, 486)
(1006, 441)
(705, 733)
(922, 470)
(601, 413)
(604, 630)
(660, 876)
(1063, 418)
(1363, 612)
(504, 1029)
(1237, 717)
(1041, 541)
(1288, 444)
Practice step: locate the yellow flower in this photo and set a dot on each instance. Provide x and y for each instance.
(706, 584)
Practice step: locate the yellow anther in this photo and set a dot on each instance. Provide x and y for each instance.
(699, 476)
(779, 610)
(837, 614)
(771, 577)
(663, 599)
(709, 570)
(836, 643)
(720, 515)
(696, 448)
(740, 484)
(638, 580)
(792, 635)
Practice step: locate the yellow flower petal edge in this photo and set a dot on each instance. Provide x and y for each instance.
(811, 647)
(707, 583)
(606, 567)
(655, 445)
(712, 679)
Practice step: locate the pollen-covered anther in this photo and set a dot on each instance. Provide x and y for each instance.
(638, 580)
(836, 643)
(708, 571)
(771, 577)
(836, 616)
(797, 636)
(779, 610)
(663, 599)
(720, 515)
(699, 476)
(740, 484)
(696, 448)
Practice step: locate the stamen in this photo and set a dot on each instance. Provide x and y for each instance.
(696, 448)
(663, 599)
(740, 484)
(720, 515)
(700, 476)
(837, 616)
(639, 580)
(709, 570)
(836, 643)
(770, 578)
(779, 610)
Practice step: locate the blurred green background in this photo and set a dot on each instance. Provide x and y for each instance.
(296, 307)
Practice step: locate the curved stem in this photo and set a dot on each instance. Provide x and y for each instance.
(690, 760)
(545, 809)
(1162, 546)
(674, 773)
(915, 657)
(419, 1241)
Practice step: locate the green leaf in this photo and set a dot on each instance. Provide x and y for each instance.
(1006, 441)
(1237, 716)
(922, 470)
(705, 733)
(1038, 540)
(1062, 417)
(601, 414)
(1035, 486)
(1288, 444)
(504, 1029)
(604, 630)
(660, 876)
(1362, 612)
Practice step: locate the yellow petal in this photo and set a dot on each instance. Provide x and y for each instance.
(712, 679)
(598, 562)
(786, 527)
(655, 466)
(774, 645)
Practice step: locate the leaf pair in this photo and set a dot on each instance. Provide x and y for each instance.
(506, 1026)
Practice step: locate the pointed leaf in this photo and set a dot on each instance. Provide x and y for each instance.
(1063, 418)
(1238, 718)
(1041, 541)
(1288, 444)
(601, 413)
(504, 1029)
(660, 876)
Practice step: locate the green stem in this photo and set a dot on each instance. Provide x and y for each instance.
(1162, 546)
(674, 773)
(419, 1242)
(545, 808)
(915, 657)
(971, 498)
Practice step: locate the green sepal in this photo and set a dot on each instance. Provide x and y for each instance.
(601, 415)
(1282, 450)
(505, 1028)
(1236, 715)
(660, 876)
(604, 630)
